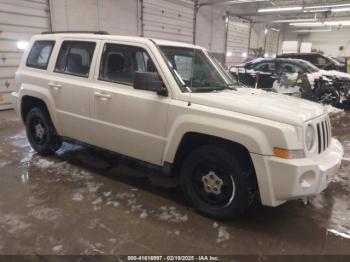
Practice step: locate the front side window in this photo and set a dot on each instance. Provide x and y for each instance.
(266, 67)
(321, 60)
(120, 62)
(40, 53)
(196, 69)
(290, 68)
(75, 58)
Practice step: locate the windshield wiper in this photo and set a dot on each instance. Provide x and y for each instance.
(231, 87)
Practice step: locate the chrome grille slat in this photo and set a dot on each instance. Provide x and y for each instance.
(327, 138)
(323, 137)
(324, 134)
(319, 138)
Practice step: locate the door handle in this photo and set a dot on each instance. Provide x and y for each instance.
(55, 86)
(103, 96)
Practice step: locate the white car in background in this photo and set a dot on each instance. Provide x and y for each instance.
(295, 77)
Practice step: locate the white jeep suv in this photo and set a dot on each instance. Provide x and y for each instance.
(173, 106)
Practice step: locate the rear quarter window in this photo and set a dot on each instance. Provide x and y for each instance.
(39, 55)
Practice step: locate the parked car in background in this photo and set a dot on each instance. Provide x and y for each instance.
(319, 60)
(295, 77)
(344, 60)
(171, 105)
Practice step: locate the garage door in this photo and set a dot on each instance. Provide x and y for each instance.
(237, 42)
(19, 20)
(271, 43)
(168, 19)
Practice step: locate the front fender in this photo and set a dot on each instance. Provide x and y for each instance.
(258, 136)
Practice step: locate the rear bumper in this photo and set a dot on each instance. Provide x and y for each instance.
(281, 180)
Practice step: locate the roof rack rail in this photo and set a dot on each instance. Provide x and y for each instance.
(76, 32)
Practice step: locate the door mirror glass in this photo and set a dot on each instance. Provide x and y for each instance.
(149, 81)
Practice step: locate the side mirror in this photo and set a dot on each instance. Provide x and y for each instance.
(150, 81)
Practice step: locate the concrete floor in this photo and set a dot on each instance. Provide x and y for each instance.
(82, 201)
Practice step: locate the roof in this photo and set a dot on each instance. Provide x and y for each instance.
(257, 60)
(98, 36)
(299, 54)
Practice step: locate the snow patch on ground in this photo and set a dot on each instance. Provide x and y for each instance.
(77, 197)
(4, 163)
(144, 214)
(57, 249)
(45, 213)
(28, 157)
(19, 140)
(97, 201)
(317, 201)
(223, 235)
(113, 203)
(171, 214)
(43, 163)
(342, 177)
(14, 224)
(124, 195)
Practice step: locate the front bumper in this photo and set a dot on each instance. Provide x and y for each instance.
(281, 179)
(14, 98)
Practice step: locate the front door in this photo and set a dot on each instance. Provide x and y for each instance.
(265, 74)
(125, 120)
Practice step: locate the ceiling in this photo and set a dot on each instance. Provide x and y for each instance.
(249, 9)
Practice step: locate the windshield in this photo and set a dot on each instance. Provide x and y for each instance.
(308, 66)
(334, 61)
(197, 70)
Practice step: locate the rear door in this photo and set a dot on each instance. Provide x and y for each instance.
(69, 85)
(125, 120)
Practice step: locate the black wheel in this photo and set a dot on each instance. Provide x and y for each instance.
(215, 182)
(41, 133)
(327, 96)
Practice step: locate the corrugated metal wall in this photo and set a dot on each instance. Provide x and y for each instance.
(271, 43)
(19, 20)
(237, 42)
(168, 19)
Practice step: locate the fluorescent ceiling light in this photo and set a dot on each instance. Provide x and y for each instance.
(325, 6)
(316, 11)
(325, 23)
(307, 24)
(294, 20)
(280, 9)
(341, 9)
(337, 23)
(313, 30)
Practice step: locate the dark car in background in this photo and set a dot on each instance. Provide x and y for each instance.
(319, 60)
(294, 77)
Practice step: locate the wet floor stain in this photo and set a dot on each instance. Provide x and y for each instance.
(87, 201)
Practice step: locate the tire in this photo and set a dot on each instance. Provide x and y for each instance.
(234, 183)
(327, 96)
(41, 133)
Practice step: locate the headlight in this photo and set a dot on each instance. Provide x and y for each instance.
(309, 137)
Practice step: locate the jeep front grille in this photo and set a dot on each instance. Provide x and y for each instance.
(324, 134)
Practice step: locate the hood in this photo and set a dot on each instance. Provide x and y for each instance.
(334, 73)
(259, 103)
